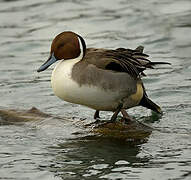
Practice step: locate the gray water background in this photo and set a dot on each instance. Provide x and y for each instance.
(48, 150)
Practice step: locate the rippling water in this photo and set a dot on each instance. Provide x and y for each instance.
(48, 150)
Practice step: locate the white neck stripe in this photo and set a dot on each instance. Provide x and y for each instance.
(81, 49)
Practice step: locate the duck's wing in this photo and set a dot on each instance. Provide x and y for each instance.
(133, 62)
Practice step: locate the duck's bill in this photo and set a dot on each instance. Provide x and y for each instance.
(50, 61)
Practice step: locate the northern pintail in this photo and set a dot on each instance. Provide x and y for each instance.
(102, 79)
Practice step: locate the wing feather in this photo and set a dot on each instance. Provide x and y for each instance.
(133, 62)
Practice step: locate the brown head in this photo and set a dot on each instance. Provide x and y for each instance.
(66, 45)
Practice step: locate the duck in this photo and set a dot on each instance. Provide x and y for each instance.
(101, 79)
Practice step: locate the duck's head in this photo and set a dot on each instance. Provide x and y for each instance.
(65, 46)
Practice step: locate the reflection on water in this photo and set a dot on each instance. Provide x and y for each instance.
(48, 149)
(108, 156)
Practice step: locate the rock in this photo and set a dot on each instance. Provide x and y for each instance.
(127, 131)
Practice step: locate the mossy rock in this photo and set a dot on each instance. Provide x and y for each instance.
(130, 131)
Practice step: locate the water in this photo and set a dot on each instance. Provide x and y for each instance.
(47, 149)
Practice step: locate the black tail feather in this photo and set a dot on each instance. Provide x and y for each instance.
(156, 63)
(146, 102)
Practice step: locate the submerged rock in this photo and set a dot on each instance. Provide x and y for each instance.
(12, 116)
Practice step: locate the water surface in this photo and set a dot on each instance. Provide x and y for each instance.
(47, 149)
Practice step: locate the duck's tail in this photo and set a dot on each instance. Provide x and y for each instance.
(146, 102)
(146, 62)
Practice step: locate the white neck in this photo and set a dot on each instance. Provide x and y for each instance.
(66, 65)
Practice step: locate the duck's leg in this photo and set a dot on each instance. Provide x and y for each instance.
(114, 116)
(96, 115)
(126, 115)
